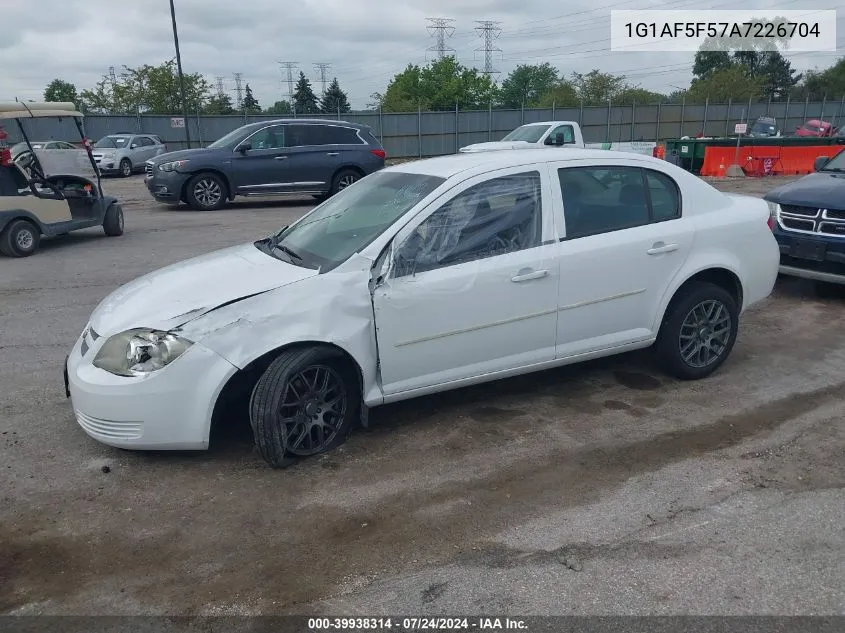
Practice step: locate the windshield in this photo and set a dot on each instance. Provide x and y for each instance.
(351, 219)
(528, 133)
(232, 138)
(837, 163)
(19, 147)
(112, 142)
(763, 128)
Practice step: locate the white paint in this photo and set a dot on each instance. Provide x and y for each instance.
(445, 328)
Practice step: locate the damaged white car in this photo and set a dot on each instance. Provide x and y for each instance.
(419, 278)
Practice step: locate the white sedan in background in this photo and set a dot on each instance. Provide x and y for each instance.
(424, 277)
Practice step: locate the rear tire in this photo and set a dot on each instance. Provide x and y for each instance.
(698, 331)
(206, 192)
(304, 404)
(125, 168)
(20, 239)
(343, 179)
(113, 220)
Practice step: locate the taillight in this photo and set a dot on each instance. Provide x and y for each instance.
(379, 152)
(771, 223)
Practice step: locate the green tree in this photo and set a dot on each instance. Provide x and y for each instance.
(561, 95)
(596, 87)
(641, 96)
(708, 62)
(60, 90)
(440, 85)
(280, 108)
(150, 89)
(304, 99)
(734, 83)
(527, 84)
(250, 103)
(818, 83)
(335, 100)
(219, 104)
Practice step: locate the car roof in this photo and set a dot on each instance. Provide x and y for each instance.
(305, 120)
(480, 162)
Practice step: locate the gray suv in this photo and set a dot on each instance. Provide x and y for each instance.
(126, 153)
(286, 156)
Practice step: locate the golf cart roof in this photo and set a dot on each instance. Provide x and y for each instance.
(37, 109)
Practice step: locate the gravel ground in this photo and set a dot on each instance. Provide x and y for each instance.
(603, 488)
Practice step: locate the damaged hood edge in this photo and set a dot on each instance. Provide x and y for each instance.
(186, 291)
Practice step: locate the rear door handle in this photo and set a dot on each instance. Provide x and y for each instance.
(332, 153)
(527, 274)
(280, 158)
(661, 247)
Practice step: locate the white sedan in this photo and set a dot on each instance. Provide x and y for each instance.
(424, 277)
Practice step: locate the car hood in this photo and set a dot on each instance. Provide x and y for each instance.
(820, 189)
(185, 154)
(484, 147)
(182, 292)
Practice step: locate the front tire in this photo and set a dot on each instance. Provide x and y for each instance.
(125, 168)
(698, 331)
(304, 404)
(206, 192)
(20, 239)
(113, 220)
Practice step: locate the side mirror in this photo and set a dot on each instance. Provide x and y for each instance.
(559, 138)
(820, 162)
(243, 148)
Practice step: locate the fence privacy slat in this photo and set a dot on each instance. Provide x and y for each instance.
(421, 134)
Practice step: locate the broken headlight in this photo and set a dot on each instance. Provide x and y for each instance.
(140, 351)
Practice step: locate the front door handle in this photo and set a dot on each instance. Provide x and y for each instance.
(280, 158)
(527, 274)
(332, 153)
(661, 247)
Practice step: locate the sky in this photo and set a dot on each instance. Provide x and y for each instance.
(365, 42)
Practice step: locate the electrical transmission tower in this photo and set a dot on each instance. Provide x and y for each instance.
(440, 29)
(112, 76)
(290, 67)
(323, 68)
(489, 30)
(220, 89)
(239, 93)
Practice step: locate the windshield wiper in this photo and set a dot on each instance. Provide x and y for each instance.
(285, 249)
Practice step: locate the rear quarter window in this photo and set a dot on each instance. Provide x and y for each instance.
(343, 135)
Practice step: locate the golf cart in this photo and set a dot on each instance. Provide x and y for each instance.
(50, 192)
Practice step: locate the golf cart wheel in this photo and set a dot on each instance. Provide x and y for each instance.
(698, 332)
(304, 404)
(206, 192)
(343, 179)
(113, 220)
(20, 239)
(125, 168)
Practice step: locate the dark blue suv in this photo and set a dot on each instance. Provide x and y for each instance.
(808, 220)
(286, 156)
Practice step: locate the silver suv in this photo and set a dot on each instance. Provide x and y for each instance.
(126, 153)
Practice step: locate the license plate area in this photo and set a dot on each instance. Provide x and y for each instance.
(809, 249)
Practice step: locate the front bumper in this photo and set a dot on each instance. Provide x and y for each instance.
(811, 257)
(166, 186)
(169, 409)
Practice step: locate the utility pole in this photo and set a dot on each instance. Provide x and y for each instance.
(489, 30)
(441, 29)
(290, 67)
(323, 68)
(239, 93)
(181, 76)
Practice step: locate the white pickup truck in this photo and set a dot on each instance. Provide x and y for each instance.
(554, 134)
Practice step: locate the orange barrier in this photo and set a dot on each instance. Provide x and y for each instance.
(765, 160)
